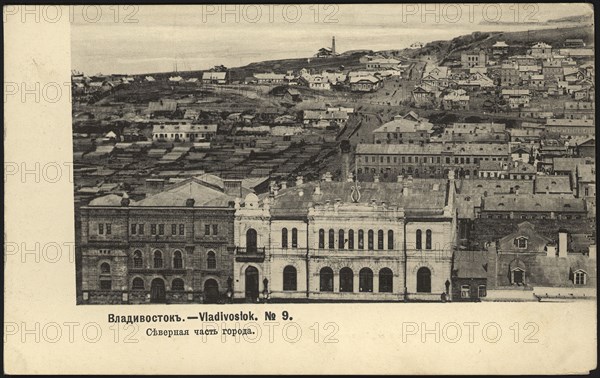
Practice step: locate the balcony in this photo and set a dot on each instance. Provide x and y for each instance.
(256, 254)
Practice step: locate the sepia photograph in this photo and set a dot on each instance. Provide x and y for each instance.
(371, 185)
(372, 165)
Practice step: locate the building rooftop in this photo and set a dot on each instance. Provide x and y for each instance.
(478, 149)
(424, 196)
(533, 203)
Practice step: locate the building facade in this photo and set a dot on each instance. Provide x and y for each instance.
(346, 241)
(172, 247)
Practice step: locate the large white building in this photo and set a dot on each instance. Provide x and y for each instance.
(347, 241)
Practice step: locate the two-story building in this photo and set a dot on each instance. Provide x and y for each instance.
(347, 241)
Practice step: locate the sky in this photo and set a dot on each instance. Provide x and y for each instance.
(156, 38)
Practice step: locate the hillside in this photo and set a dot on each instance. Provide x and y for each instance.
(450, 50)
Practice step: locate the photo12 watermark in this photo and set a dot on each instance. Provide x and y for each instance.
(53, 14)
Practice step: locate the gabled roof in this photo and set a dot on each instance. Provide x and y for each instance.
(193, 188)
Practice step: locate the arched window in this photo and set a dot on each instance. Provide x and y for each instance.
(419, 244)
(138, 262)
(158, 259)
(361, 239)
(351, 239)
(380, 239)
(390, 239)
(211, 260)
(321, 238)
(428, 239)
(346, 280)
(251, 241)
(177, 260)
(137, 284)
(294, 238)
(326, 279)
(341, 239)
(289, 278)
(370, 240)
(105, 268)
(579, 277)
(365, 280)
(423, 280)
(331, 243)
(284, 238)
(177, 285)
(386, 280)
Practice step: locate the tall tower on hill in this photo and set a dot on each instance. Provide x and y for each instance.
(333, 45)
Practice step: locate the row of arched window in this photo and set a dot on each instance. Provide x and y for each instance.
(419, 239)
(365, 277)
(365, 280)
(176, 285)
(158, 261)
(349, 242)
(284, 238)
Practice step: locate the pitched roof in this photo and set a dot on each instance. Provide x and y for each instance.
(178, 195)
(533, 202)
(495, 149)
(296, 200)
(553, 184)
(470, 264)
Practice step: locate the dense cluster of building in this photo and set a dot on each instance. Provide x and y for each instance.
(422, 210)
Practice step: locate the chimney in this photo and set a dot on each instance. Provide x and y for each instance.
(592, 251)
(333, 45)
(125, 200)
(233, 187)
(272, 185)
(562, 242)
(154, 186)
(327, 177)
(299, 180)
(283, 185)
(400, 178)
(551, 250)
(275, 190)
(318, 189)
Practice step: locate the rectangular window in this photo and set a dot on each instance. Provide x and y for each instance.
(153, 228)
(215, 229)
(173, 229)
(133, 229)
(207, 229)
(482, 291)
(388, 159)
(101, 228)
(141, 229)
(161, 229)
(108, 229)
(182, 229)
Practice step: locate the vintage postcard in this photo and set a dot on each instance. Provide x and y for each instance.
(300, 188)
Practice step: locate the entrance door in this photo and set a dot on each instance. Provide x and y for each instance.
(251, 283)
(157, 291)
(211, 291)
(423, 280)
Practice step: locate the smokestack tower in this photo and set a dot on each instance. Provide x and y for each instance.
(333, 45)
